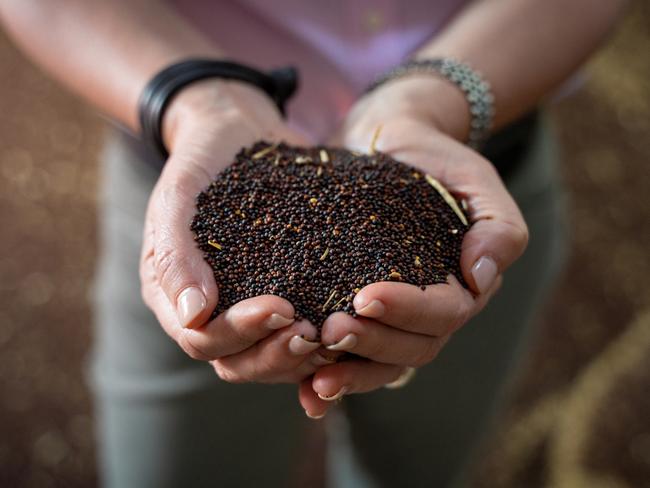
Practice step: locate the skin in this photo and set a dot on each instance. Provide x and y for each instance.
(525, 48)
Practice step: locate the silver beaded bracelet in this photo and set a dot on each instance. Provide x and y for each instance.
(476, 89)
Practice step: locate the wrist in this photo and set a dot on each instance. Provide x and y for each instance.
(428, 99)
(215, 101)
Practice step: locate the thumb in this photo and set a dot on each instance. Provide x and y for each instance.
(497, 238)
(181, 271)
(498, 235)
(179, 266)
(488, 249)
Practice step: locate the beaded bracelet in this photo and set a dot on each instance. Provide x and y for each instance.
(476, 89)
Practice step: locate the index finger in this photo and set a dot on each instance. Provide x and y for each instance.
(241, 326)
(437, 310)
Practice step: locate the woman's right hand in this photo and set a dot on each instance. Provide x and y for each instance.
(256, 339)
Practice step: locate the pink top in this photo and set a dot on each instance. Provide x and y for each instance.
(339, 46)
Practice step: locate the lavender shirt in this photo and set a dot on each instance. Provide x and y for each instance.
(339, 46)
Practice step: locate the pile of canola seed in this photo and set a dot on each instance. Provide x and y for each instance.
(315, 225)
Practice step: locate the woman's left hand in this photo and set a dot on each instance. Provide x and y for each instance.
(400, 326)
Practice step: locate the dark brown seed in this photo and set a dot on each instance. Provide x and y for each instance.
(320, 224)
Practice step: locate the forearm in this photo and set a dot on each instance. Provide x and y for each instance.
(524, 48)
(105, 51)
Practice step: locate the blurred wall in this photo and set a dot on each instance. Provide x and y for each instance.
(48, 179)
(580, 412)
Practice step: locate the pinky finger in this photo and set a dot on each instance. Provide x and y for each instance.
(315, 408)
(354, 376)
(330, 383)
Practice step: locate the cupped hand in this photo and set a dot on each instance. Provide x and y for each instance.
(401, 326)
(256, 339)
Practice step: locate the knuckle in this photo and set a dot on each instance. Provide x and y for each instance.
(460, 316)
(522, 238)
(163, 262)
(168, 264)
(147, 281)
(227, 374)
(520, 235)
(192, 348)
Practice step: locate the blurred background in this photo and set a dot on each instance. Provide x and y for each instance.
(579, 414)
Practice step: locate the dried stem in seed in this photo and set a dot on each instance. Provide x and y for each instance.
(324, 157)
(451, 201)
(324, 255)
(285, 232)
(335, 306)
(375, 136)
(329, 300)
(264, 152)
(303, 159)
(216, 245)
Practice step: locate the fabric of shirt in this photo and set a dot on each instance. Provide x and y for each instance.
(339, 46)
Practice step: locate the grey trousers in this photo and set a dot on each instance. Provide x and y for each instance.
(165, 420)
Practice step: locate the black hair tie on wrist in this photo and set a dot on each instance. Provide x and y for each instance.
(278, 84)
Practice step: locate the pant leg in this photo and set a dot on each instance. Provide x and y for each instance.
(165, 420)
(422, 435)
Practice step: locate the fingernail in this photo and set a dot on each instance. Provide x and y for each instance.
(315, 417)
(299, 346)
(336, 396)
(318, 359)
(191, 302)
(484, 272)
(276, 321)
(374, 309)
(403, 379)
(359, 301)
(345, 344)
